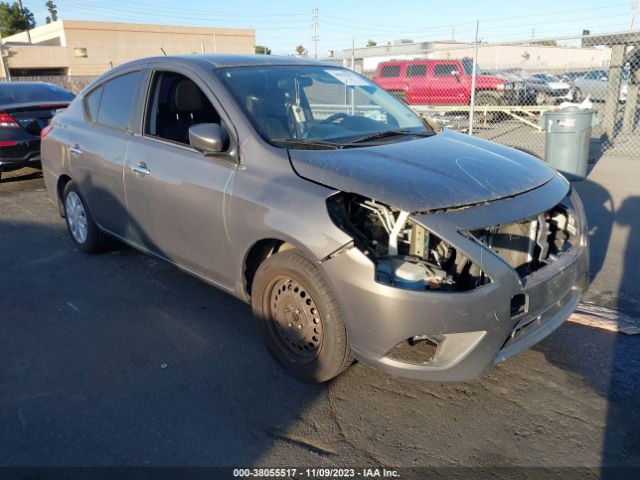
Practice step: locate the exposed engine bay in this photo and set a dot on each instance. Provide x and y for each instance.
(531, 243)
(406, 255)
(409, 256)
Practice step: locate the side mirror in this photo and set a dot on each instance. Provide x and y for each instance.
(456, 74)
(207, 137)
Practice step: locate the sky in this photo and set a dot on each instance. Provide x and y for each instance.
(282, 25)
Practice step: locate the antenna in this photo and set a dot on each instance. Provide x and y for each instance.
(163, 52)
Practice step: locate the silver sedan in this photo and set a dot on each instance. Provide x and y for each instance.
(352, 228)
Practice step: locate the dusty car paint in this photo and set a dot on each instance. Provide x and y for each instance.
(443, 171)
(208, 214)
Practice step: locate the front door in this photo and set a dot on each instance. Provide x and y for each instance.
(447, 85)
(175, 194)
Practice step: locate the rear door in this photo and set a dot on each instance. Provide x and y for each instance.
(416, 78)
(97, 152)
(175, 194)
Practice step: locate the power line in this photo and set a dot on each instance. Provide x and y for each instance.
(252, 15)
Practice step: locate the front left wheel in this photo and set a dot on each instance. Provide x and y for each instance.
(82, 228)
(299, 318)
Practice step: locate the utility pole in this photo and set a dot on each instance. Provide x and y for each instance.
(473, 80)
(22, 12)
(634, 10)
(453, 33)
(315, 37)
(353, 53)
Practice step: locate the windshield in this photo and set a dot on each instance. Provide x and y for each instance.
(29, 92)
(547, 77)
(317, 105)
(467, 64)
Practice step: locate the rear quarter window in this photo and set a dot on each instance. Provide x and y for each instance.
(92, 103)
(117, 101)
(390, 71)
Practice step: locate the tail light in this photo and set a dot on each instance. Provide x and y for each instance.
(7, 121)
(45, 131)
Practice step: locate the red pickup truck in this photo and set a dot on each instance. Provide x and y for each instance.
(444, 82)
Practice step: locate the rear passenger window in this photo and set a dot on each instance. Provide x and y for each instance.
(92, 103)
(118, 98)
(445, 70)
(390, 71)
(416, 70)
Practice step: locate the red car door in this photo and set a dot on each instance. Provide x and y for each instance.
(416, 78)
(447, 84)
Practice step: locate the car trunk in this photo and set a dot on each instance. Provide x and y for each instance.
(33, 117)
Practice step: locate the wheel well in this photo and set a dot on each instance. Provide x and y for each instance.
(257, 254)
(62, 183)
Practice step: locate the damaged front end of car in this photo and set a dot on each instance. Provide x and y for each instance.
(405, 253)
(458, 289)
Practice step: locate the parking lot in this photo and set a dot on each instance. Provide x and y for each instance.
(122, 360)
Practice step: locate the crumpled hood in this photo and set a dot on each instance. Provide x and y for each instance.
(443, 171)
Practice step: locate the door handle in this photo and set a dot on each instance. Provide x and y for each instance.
(140, 168)
(75, 149)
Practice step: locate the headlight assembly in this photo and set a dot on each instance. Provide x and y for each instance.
(406, 254)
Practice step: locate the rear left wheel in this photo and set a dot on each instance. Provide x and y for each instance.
(82, 228)
(299, 319)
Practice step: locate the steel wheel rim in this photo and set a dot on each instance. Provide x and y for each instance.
(294, 322)
(76, 217)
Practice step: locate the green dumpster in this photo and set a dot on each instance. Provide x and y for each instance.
(568, 133)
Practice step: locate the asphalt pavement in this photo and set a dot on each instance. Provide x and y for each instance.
(119, 359)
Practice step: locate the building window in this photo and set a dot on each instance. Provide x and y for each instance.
(80, 52)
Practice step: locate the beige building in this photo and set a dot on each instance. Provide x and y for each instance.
(73, 47)
(490, 56)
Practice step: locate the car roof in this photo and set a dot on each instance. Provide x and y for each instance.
(223, 60)
(28, 84)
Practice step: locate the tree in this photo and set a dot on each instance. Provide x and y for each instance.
(546, 43)
(13, 20)
(301, 51)
(262, 50)
(371, 43)
(53, 11)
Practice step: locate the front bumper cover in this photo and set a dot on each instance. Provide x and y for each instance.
(477, 326)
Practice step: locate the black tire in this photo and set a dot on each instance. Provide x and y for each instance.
(543, 98)
(577, 95)
(482, 99)
(299, 318)
(95, 241)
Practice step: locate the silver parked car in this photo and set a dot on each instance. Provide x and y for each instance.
(594, 85)
(352, 228)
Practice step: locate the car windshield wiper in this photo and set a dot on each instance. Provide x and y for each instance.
(390, 133)
(300, 142)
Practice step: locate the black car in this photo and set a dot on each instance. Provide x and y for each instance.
(25, 109)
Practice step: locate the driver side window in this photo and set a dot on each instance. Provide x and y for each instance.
(175, 104)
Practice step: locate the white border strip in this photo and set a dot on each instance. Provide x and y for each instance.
(604, 318)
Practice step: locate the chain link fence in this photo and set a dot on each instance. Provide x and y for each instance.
(74, 84)
(500, 91)
(497, 91)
